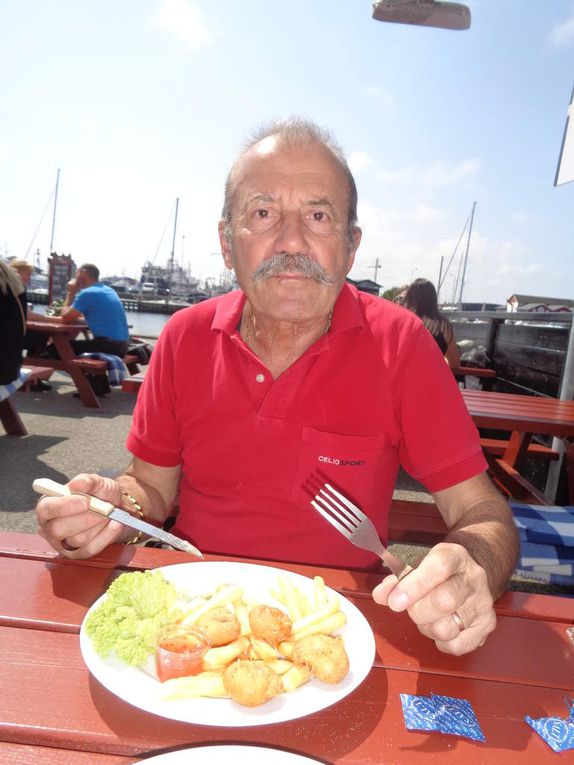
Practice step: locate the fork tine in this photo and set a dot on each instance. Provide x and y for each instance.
(332, 520)
(348, 505)
(337, 510)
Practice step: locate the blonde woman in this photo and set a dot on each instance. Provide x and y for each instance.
(12, 323)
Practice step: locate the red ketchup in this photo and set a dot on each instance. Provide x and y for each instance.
(180, 652)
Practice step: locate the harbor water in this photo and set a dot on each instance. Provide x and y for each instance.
(142, 324)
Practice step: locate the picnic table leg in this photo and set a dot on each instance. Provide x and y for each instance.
(11, 419)
(66, 353)
(517, 448)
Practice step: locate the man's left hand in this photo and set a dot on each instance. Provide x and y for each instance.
(448, 581)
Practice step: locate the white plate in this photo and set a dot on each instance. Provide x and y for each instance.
(142, 691)
(239, 755)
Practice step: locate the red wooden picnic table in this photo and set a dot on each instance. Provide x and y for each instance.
(61, 335)
(523, 416)
(50, 706)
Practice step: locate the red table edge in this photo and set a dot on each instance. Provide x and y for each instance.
(356, 583)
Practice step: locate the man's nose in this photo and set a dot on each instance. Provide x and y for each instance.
(291, 234)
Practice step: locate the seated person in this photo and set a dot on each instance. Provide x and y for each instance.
(102, 310)
(421, 298)
(298, 378)
(34, 342)
(13, 308)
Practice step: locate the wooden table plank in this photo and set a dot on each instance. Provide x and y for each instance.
(56, 597)
(68, 709)
(22, 754)
(511, 411)
(17, 546)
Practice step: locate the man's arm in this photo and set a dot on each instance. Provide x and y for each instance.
(68, 518)
(481, 521)
(462, 575)
(70, 315)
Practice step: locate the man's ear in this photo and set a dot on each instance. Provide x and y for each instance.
(356, 241)
(225, 243)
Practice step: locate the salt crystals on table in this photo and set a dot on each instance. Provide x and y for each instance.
(443, 714)
(557, 732)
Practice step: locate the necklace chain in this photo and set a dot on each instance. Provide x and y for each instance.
(250, 326)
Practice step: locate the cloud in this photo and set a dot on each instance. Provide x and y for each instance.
(562, 35)
(185, 20)
(359, 160)
(436, 175)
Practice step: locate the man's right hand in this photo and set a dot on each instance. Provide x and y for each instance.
(73, 530)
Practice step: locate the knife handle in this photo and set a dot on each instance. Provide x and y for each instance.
(51, 488)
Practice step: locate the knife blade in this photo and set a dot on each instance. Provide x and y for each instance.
(51, 488)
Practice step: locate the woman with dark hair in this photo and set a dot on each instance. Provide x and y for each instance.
(421, 298)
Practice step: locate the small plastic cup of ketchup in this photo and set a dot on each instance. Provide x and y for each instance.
(180, 652)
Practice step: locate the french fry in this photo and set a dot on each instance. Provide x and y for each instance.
(242, 615)
(204, 684)
(262, 649)
(226, 595)
(279, 666)
(295, 677)
(320, 592)
(290, 598)
(324, 627)
(219, 657)
(331, 607)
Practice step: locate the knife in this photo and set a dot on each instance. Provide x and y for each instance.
(52, 489)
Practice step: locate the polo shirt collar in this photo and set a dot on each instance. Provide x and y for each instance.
(346, 312)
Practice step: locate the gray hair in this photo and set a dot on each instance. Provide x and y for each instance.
(294, 131)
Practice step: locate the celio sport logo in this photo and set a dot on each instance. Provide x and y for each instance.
(340, 462)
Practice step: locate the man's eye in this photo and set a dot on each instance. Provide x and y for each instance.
(261, 213)
(319, 216)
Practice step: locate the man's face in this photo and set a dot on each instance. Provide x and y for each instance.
(289, 201)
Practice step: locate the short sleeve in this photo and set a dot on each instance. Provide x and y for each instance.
(154, 434)
(440, 444)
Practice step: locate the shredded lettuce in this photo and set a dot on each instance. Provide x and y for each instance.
(127, 622)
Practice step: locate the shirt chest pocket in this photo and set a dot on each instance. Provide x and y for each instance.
(359, 466)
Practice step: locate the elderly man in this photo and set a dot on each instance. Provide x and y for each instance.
(295, 378)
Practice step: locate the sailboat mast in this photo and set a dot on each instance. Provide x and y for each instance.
(171, 261)
(466, 254)
(54, 213)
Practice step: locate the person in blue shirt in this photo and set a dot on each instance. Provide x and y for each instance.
(101, 308)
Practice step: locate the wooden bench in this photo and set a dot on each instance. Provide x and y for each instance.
(415, 522)
(9, 416)
(100, 367)
(497, 446)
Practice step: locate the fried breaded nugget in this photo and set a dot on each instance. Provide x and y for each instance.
(325, 656)
(251, 684)
(220, 625)
(270, 624)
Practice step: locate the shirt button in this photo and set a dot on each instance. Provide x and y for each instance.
(260, 377)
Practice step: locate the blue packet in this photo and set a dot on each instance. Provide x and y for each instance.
(558, 732)
(444, 714)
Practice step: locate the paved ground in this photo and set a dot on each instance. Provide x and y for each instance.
(66, 438)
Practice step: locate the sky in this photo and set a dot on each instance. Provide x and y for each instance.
(142, 102)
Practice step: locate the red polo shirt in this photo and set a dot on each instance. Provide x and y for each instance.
(373, 393)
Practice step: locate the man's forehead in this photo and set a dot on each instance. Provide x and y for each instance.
(270, 164)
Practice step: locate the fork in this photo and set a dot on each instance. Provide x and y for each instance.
(346, 517)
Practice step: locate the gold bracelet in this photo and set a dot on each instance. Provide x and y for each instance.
(135, 509)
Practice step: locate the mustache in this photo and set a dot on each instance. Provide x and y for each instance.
(295, 263)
